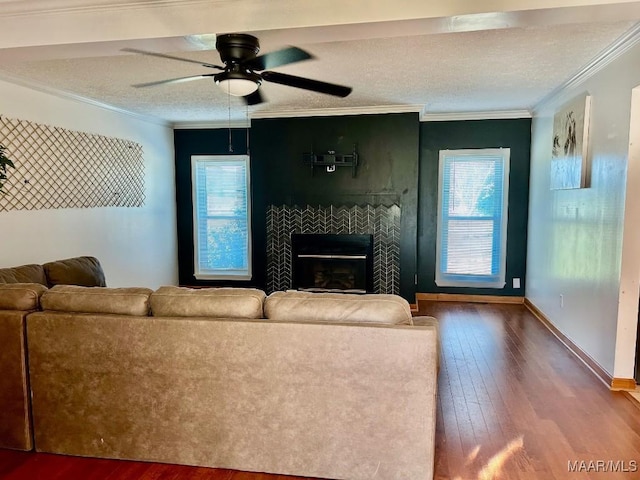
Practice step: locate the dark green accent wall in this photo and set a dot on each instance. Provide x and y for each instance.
(399, 164)
(435, 136)
(388, 147)
(198, 142)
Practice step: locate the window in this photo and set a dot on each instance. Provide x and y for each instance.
(473, 187)
(222, 220)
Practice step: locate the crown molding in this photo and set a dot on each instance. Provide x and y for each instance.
(618, 48)
(48, 7)
(424, 117)
(318, 112)
(80, 99)
(213, 125)
(490, 115)
(343, 111)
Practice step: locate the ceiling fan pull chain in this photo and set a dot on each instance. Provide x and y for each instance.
(229, 109)
(248, 127)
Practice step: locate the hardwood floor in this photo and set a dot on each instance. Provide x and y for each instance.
(507, 385)
(511, 398)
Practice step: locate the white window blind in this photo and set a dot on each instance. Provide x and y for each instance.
(222, 220)
(472, 217)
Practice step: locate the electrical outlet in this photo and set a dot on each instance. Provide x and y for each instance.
(561, 300)
(516, 283)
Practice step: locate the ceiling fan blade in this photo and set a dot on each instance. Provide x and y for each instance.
(172, 80)
(278, 58)
(306, 84)
(171, 57)
(254, 98)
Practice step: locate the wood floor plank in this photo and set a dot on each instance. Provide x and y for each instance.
(510, 397)
(538, 390)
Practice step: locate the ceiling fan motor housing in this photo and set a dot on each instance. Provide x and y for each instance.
(237, 47)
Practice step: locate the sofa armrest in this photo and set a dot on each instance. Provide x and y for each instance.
(427, 321)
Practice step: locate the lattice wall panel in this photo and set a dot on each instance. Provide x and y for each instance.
(383, 222)
(59, 168)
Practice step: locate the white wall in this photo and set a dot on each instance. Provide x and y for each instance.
(136, 246)
(575, 236)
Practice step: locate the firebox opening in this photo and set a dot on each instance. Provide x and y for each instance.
(333, 262)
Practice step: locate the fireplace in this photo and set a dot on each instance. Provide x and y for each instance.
(286, 221)
(332, 262)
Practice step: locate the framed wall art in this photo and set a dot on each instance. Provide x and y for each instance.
(569, 154)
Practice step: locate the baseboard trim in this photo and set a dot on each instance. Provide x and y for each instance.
(599, 372)
(626, 384)
(455, 297)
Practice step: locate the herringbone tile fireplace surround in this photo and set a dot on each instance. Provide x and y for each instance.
(383, 222)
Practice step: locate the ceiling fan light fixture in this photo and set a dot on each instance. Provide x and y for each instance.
(238, 84)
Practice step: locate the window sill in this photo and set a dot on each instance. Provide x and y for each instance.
(222, 277)
(470, 284)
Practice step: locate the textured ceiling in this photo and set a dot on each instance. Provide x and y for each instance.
(502, 69)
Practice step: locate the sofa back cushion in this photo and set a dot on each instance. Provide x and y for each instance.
(31, 273)
(72, 298)
(21, 296)
(207, 302)
(337, 308)
(84, 271)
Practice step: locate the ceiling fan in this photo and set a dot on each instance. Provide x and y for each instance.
(244, 71)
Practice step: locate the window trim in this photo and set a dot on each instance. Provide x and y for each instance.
(498, 280)
(229, 274)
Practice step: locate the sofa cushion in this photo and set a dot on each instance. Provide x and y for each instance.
(207, 302)
(20, 296)
(84, 271)
(31, 273)
(72, 298)
(337, 308)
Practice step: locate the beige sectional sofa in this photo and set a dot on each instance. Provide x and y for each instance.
(320, 385)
